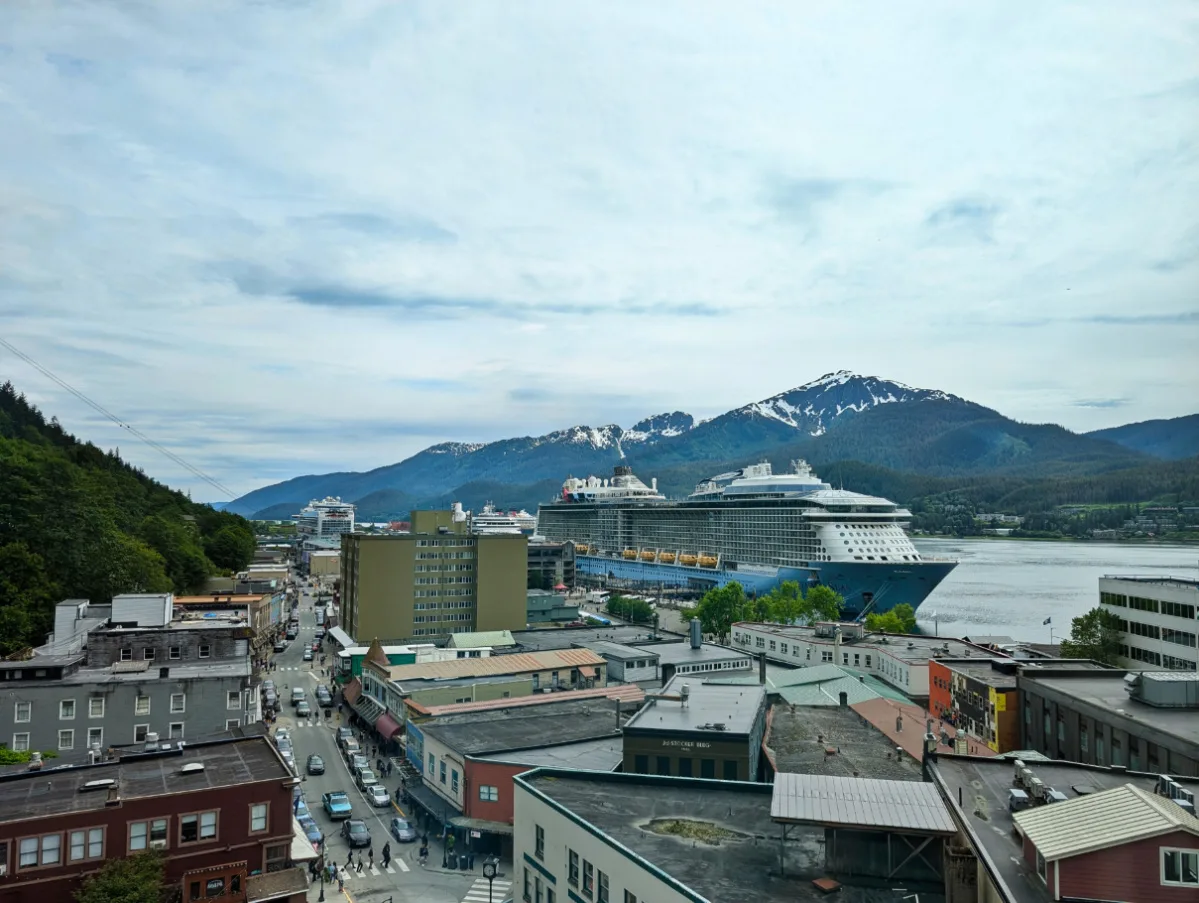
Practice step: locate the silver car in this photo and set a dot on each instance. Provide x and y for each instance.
(378, 795)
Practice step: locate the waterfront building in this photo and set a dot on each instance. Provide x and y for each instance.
(901, 660)
(1158, 622)
(436, 581)
(219, 812)
(695, 729)
(324, 518)
(551, 564)
(696, 658)
(1143, 721)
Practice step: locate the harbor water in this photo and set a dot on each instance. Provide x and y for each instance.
(1010, 587)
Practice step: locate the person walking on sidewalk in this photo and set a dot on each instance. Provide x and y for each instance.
(350, 859)
(386, 853)
(359, 863)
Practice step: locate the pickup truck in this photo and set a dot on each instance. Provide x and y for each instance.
(337, 804)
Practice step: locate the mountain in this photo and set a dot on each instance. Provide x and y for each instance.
(838, 417)
(1171, 440)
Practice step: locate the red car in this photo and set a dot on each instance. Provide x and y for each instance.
(316, 647)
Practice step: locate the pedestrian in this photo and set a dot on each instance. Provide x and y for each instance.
(371, 853)
(350, 859)
(399, 790)
(386, 853)
(341, 885)
(359, 863)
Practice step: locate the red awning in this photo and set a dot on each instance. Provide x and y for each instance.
(387, 726)
(560, 586)
(587, 672)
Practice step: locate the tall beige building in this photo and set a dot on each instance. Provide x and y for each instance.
(437, 580)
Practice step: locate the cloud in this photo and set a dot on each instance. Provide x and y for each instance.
(1104, 403)
(258, 230)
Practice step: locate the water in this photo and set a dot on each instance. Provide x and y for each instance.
(1009, 587)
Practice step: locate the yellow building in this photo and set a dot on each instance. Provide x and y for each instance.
(440, 579)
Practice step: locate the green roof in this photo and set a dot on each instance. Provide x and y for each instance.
(817, 685)
(482, 638)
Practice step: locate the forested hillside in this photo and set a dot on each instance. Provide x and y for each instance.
(78, 522)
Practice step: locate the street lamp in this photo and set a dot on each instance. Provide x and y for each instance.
(489, 872)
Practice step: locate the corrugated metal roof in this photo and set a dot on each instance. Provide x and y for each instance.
(859, 802)
(481, 638)
(623, 692)
(1102, 820)
(828, 692)
(519, 663)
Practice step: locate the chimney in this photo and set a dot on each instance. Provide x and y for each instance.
(899, 723)
(837, 646)
(843, 699)
(762, 668)
(697, 634)
(930, 751)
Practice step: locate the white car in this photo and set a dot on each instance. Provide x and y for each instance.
(378, 795)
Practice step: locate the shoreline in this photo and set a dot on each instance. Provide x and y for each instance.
(1132, 541)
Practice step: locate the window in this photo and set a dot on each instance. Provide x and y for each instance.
(205, 650)
(232, 724)
(730, 770)
(488, 793)
(66, 710)
(432, 764)
(178, 703)
(539, 838)
(95, 707)
(233, 699)
(66, 739)
(140, 732)
(588, 879)
(197, 827)
(1041, 867)
(684, 767)
(526, 894)
(20, 742)
(44, 850)
(572, 869)
(148, 653)
(1180, 867)
(214, 887)
(95, 737)
(641, 764)
(176, 732)
(601, 894)
(175, 653)
(630, 897)
(127, 655)
(23, 712)
(140, 831)
(663, 765)
(141, 705)
(258, 817)
(442, 772)
(88, 844)
(707, 768)
(454, 781)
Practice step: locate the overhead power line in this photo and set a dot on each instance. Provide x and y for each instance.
(132, 430)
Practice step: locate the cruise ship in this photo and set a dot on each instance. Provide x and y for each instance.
(753, 526)
(492, 521)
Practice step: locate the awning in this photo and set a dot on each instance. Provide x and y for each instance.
(482, 825)
(587, 671)
(560, 586)
(387, 726)
(352, 691)
(302, 849)
(428, 799)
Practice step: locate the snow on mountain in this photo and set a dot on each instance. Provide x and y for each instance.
(812, 407)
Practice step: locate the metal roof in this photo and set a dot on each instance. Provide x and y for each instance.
(1101, 820)
(480, 639)
(517, 663)
(905, 806)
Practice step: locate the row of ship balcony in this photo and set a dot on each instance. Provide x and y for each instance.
(658, 556)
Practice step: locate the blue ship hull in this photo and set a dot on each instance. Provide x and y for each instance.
(887, 584)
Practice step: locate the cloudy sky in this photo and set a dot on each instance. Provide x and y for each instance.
(290, 237)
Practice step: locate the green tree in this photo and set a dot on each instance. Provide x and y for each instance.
(785, 603)
(1094, 635)
(635, 611)
(900, 619)
(821, 603)
(720, 608)
(231, 547)
(135, 879)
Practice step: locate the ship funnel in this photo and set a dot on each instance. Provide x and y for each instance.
(653, 484)
(697, 634)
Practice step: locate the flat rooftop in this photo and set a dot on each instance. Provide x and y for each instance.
(525, 728)
(621, 651)
(733, 705)
(984, 784)
(570, 637)
(1179, 582)
(493, 665)
(141, 671)
(683, 654)
(57, 791)
(910, 647)
(628, 694)
(983, 671)
(588, 755)
(743, 865)
(416, 685)
(836, 742)
(1109, 695)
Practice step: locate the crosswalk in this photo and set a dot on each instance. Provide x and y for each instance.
(393, 868)
(480, 893)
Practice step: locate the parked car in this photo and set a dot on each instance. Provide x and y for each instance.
(307, 655)
(282, 735)
(303, 709)
(337, 804)
(298, 695)
(356, 833)
(357, 761)
(280, 646)
(312, 831)
(301, 808)
(320, 633)
(268, 684)
(316, 646)
(270, 699)
(324, 698)
(343, 734)
(364, 777)
(350, 747)
(315, 764)
(402, 831)
(378, 795)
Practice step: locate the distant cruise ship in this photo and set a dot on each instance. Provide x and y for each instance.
(489, 520)
(752, 526)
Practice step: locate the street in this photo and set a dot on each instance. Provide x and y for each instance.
(404, 880)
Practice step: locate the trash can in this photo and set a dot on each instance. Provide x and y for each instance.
(451, 862)
(470, 861)
(463, 861)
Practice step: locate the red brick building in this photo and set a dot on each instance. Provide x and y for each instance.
(219, 811)
(1122, 844)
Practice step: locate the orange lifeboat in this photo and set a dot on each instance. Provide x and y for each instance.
(688, 560)
(629, 554)
(707, 561)
(649, 555)
(666, 557)
(581, 549)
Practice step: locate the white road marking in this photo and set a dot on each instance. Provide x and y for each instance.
(403, 865)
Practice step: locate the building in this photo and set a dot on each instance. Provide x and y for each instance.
(697, 658)
(265, 623)
(468, 760)
(138, 673)
(550, 564)
(435, 581)
(324, 518)
(219, 811)
(1110, 837)
(419, 713)
(495, 640)
(900, 660)
(1147, 721)
(1157, 620)
(548, 607)
(630, 837)
(979, 697)
(324, 563)
(694, 729)
(627, 664)
(575, 637)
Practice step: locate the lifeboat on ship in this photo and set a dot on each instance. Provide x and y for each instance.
(629, 554)
(688, 560)
(707, 561)
(581, 549)
(666, 557)
(649, 555)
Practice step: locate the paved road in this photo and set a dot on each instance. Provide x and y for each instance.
(405, 881)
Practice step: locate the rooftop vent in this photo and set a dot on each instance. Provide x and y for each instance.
(102, 784)
(192, 768)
